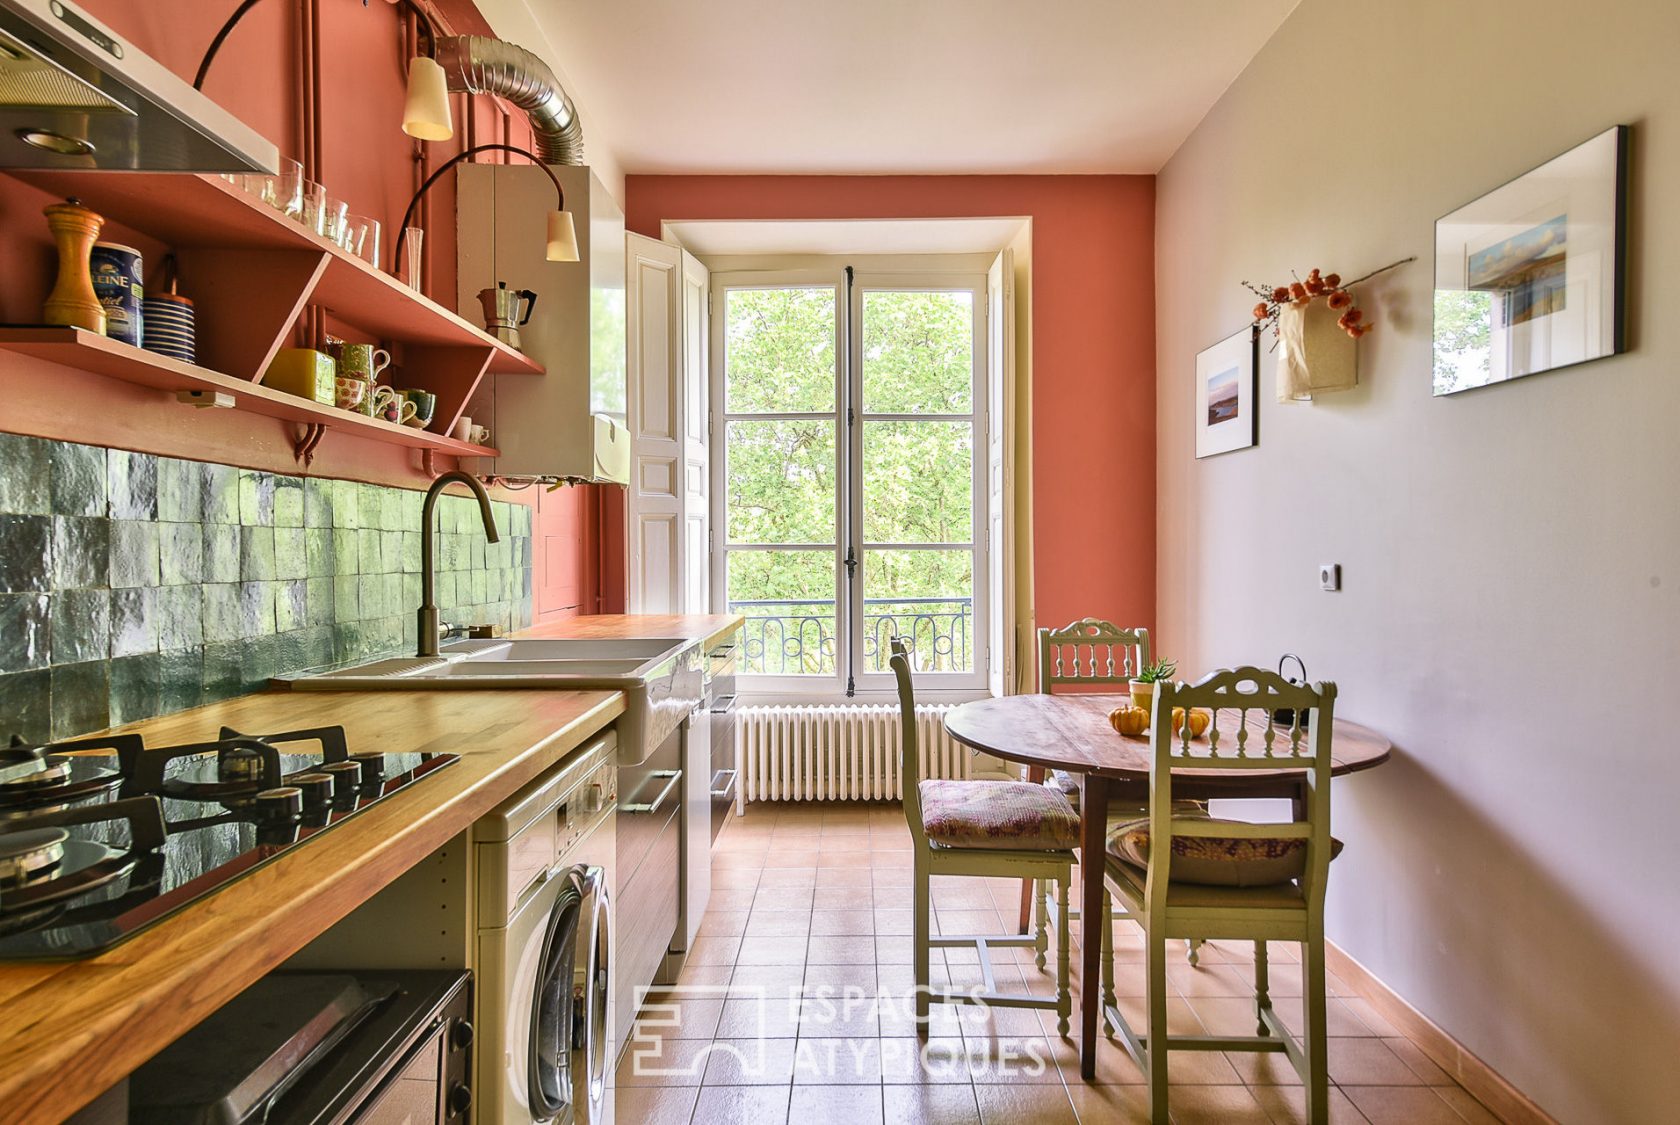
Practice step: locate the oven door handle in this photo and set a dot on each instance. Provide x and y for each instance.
(727, 789)
(673, 778)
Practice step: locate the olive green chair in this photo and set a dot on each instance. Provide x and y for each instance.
(1149, 867)
(1008, 829)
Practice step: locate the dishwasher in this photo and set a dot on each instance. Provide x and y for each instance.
(708, 763)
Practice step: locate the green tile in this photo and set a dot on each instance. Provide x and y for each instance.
(131, 479)
(370, 553)
(180, 680)
(346, 599)
(291, 556)
(180, 490)
(288, 502)
(221, 678)
(318, 596)
(180, 615)
(394, 601)
(221, 494)
(256, 554)
(346, 504)
(317, 502)
(371, 596)
(135, 689)
(25, 628)
(181, 553)
(410, 551)
(81, 552)
(346, 544)
(256, 498)
(221, 552)
(26, 706)
(25, 475)
(256, 609)
(134, 553)
(291, 605)
(81, 626)
(391, 551)
(78, 480)
(25, 550)
(318, 552)
(134, 621)
(81, 698)
(222, 621)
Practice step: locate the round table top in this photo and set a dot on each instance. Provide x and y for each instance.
(1071, 732)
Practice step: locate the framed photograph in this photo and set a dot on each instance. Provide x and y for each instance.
(1528, 278)
(1226, 395)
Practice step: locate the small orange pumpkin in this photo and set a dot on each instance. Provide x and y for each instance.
(1129, 720)
(1198, 721)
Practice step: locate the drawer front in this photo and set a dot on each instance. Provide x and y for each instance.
(648, 794)
(647, 919)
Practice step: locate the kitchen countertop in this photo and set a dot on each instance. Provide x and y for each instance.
(74, 1028)
(707, 628)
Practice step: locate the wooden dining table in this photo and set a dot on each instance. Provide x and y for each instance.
(1071, 732)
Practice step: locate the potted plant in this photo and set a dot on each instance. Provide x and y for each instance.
(1143, 684)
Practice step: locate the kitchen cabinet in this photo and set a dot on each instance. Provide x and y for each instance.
(572, 423)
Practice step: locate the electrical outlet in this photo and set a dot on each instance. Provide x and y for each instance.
(1330, 576)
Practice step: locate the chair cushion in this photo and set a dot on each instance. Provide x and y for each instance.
(997, 814)
(1123, 806)
(1219, 861)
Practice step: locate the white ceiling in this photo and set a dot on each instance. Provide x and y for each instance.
(708, 237)
(908, 86)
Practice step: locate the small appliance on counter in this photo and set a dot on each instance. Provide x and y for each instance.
(369, 1048)
(97, 845)
(506, 311)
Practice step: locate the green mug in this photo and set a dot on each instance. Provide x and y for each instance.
(362, 361)
(425, 406)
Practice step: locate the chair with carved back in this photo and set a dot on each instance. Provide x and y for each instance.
(997, 829)
(1182, 875)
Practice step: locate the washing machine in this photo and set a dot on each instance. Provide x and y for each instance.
(544, 947)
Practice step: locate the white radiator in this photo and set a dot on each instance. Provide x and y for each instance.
(837, 753)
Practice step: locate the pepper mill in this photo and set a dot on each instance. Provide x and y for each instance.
(72, 301)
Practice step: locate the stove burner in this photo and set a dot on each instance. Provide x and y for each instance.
(29, 854)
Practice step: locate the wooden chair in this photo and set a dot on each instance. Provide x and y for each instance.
(1284, 907)
(985, 828)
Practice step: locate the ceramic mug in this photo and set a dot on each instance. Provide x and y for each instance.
(363, 361)
(425, 405)
(391, 406)
(479, 435)
(462, 429)
(352, 393)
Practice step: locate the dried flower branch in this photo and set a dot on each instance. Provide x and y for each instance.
(1300, 294)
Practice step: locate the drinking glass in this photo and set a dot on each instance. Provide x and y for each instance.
(282, 191)
(335, 222)
(361, 238)
(314, 206)
(412, 237)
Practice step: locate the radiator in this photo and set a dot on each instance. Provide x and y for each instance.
(837, 753)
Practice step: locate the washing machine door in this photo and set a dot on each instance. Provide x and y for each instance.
(568, 1049)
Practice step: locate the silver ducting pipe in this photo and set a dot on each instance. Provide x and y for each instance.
(481, 65)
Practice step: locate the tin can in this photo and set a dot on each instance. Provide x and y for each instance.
(116, 282)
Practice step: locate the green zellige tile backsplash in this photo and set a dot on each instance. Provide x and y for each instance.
(133, 585)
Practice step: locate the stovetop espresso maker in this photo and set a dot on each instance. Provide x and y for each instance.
(505, 310)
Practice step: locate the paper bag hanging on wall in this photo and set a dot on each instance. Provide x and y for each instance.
(1314, 354)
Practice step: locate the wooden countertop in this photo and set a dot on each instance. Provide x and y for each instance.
(707, 628)
(72, 1029)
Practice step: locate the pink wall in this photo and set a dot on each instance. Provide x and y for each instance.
(1093, 308)
(361, 155)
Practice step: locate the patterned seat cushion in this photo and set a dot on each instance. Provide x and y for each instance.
(997, 814)
(1219, 861)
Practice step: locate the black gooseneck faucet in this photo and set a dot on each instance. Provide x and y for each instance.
(428, 571)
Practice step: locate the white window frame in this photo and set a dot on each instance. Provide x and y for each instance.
(849, 488)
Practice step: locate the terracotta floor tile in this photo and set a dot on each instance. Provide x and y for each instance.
(1422, 1065)
(787, 877)
(844, 898)
(725, 922)
(1209, 980)
(845, 921)
(781, 898)
(770, 1016)
(893, 920)
(836, 980)
(850, 876)
(718, 950)
(936, 1059)
(1403, 1105)
(850, 1104)
(777, 923)
(930, 1105)
(724, 861)
(1368, 1062)
(837, 1061)
(678, 1016)
(784, 950)
(663, 1062)
(656, 1105)
(750, 1062)
(693, 975)
(739, 1105)
(735, 879)
(1215, 1105)
(1262, 1068)
(1027, 1059)
(1287, 1105)
(1468, 1107)
(850, 1014)
(1339, 1018)
(725, 898)
(1371, 1017)
(840, 949)
(1017, 1103)
(777, 858)
(766, 979)
(1110, 1105)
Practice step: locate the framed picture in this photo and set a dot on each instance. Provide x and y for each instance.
(1528, 278)
(1226, 394)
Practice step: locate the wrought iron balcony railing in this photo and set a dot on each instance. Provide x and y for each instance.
(791, 637)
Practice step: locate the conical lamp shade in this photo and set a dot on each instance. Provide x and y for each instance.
(426, 114)
(562, 237)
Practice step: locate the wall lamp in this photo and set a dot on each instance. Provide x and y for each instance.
(426, 113)
(562, 235)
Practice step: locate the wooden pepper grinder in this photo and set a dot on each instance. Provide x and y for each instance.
(72, 301)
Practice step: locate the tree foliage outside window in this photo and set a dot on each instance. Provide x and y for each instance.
(917, 474)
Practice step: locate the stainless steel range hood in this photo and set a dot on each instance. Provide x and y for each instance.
(74, 95)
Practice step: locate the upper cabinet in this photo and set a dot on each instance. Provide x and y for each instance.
(573, 424)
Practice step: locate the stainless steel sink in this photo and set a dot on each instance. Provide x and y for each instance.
(660, 678)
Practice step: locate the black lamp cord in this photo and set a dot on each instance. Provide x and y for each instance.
(426, 24)
(408, 215)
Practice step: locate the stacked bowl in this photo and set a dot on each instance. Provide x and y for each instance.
(167, 327)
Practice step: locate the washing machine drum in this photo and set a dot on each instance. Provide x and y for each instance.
(568, 1048)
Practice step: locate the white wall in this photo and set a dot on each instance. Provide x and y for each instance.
(1511, 605)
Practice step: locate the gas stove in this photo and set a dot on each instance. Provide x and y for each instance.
(101, 837)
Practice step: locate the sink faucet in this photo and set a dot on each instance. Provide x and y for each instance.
(428, 571)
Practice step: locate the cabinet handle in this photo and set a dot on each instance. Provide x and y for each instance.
(672, 779)
(727, 789)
